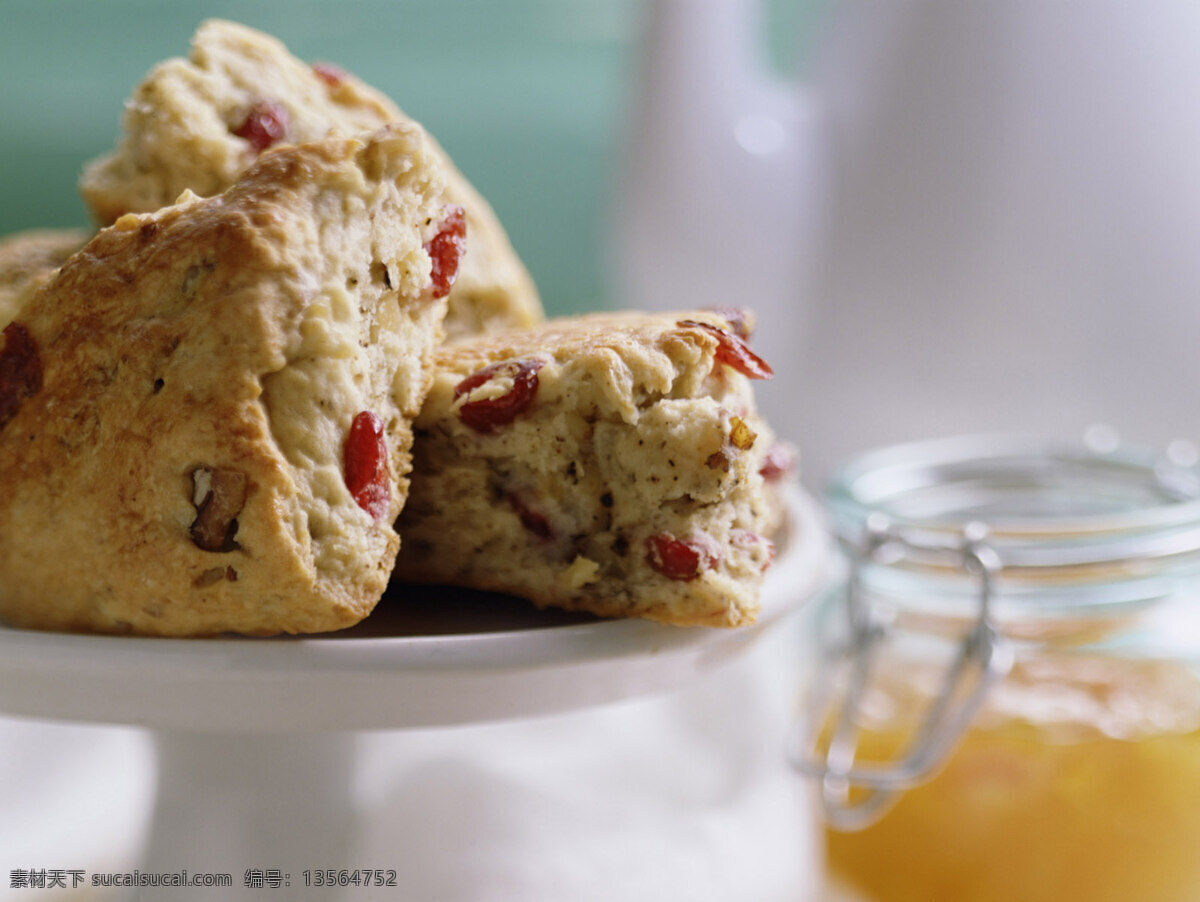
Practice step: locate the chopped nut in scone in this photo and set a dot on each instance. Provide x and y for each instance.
(608, 463)
(218, 496)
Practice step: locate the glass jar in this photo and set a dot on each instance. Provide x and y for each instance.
(1006, 700)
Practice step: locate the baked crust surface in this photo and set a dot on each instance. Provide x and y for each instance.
(28, 259)
(180, 468)
(179, 134)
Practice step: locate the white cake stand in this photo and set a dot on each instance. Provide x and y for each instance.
(252, 734)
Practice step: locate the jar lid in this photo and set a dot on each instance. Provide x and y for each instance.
(997, 539)
(1047, 506)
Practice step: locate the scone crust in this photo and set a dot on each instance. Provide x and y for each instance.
(236, 334)
(178, 136)
(631, 435)
(28, 259)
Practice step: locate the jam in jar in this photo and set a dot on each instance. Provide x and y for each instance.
(1006, 704)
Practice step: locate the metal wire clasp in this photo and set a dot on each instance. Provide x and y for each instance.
(825, 744)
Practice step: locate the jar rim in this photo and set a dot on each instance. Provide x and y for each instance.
(1044, 503)
(1000, 544)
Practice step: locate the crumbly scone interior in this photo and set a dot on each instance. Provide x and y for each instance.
(628, 439)
(364, 342)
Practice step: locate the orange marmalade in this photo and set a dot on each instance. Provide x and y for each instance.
(1008, 695)
(1078, 782)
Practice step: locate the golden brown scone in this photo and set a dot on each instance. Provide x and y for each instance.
(28, 259)
(194, 124)
(608, 463)
(205, 415)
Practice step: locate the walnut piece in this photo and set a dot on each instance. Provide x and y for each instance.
(218, 495)
(741, 435)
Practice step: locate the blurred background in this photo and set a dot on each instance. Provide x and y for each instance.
(530, 97)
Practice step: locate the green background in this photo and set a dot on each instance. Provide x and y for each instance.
(530, 97)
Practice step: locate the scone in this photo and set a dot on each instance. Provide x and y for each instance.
(205, 414)
(28, 259)
(194, 124)
(608, 463)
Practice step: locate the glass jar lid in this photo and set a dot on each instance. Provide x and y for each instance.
(1074, 526)
(1046, 504)
(996, 541)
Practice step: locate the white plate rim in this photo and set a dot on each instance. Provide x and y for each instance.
(328, 682)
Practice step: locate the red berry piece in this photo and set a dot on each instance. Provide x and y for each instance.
(487, 414)
(266, 123)
(739, 321)
(680, 559)
(330, 74)
(20, 370)
(778, 462)
(744, 538)
(366, 464)
(534, 522)
(733, 351)
(446, 249)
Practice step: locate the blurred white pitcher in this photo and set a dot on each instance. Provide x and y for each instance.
(964, 217)
(720, 203)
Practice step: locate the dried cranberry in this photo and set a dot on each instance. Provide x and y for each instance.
(20, 370)
(679, 559)
(366, 462)
(744, 538)
(330, 74)
(487, 414)
(265, 124)
(778, 463)
(733, 351)
(534, 522)
(446, 249)
(739, 321)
